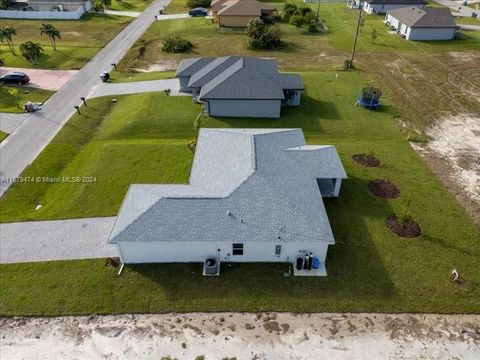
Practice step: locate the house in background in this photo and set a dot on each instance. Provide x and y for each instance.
(46, 9)
(413, 23)
(238, 13)
(237, 86)
(382, 6)
(254, 195)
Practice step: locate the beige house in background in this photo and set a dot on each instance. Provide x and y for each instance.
(237, 13)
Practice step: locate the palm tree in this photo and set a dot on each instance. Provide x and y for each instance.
(31, 51)
(6, 34)
(52, 34)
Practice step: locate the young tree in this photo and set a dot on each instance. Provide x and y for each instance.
(31, 51)
(6, 34)
(288, 11)
(15, 94)
(4, 4)
(52, 34)
(297, 21)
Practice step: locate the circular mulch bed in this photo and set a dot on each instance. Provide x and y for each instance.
(409, 229)
(366, 160)
(383, 188)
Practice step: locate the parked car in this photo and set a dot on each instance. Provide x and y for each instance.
(198, 12)
(14, 77)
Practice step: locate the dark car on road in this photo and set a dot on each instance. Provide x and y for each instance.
(14, 77)
(198, 12)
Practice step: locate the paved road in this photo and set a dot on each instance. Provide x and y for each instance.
(136, 87)
(56, 240)
(9, 122)
(457, 7)
(19, 149)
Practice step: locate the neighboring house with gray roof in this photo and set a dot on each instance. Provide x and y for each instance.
(413, 23)
(239, 86)
(382, 6)
(238, 13)
(254, 195)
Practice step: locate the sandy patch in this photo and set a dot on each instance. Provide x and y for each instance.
(244, 336)
(457, 139)
(164, 65)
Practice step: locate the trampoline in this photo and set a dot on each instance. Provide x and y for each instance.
(369, 98)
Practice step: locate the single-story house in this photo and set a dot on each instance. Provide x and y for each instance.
(382, 6)
(238, 13)
(413, 23)
(46, 9)
(239, 86)
(254, 195)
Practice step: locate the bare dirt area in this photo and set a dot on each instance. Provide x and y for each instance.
(243, 336)
(164, 65)
(439, 95)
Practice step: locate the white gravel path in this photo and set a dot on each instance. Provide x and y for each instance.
(56, 240)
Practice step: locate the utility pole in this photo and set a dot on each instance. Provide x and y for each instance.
(356, 34)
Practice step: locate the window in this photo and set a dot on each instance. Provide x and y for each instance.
(237, 249)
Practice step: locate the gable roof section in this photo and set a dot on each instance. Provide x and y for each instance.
(188, 67)
(244, 185)
(424, 18)
(243, 8)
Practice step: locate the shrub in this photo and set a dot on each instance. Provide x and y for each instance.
(304, 10)
(312, 28)
(288, 11)
(297, 21)
(261, 36)
(199, 3)
(310, 18)
(176, 44)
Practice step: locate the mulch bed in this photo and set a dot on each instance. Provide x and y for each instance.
(383, 188)
(410, 229)
(366, 160)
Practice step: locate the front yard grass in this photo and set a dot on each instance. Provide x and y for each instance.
(129, 5)
(80, 40)
(11, 104)
(3, 135)
(302, 51)
(143, 139)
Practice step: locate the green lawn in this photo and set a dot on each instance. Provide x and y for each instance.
(2, 136)
(142, 139)
(10, 103)
(129, 5)
(80, 40)
(177, 7)
(302, 51)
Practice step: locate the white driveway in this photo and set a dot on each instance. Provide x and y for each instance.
(56, 240)
(133, 14)
(44, 79)
(106, 89)
(9, 122)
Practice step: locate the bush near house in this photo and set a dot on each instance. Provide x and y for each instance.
(199, 3)
(262, 37)
(176, 44)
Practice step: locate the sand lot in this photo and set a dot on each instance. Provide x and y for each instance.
(243, 336)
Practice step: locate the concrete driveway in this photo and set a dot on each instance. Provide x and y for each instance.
(56, 240)
(106, 89)
(44, 79)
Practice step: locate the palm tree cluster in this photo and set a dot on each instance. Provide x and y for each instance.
(30, 50)
(52, 34)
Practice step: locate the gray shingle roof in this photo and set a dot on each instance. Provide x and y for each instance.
(236, 77)
(245, 184)
(424, 18)
(188, 67)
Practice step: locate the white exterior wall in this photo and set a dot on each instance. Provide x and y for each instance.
(47, 15)
(195, 251)
(383, 8)
(393, 22)
(430, 33)
(245, 108)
